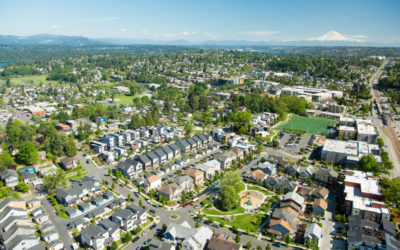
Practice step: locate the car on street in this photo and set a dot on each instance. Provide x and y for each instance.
(277, 244)
(145, 208)
(152, 211)
(153, 226)
(135, 239)
(186, 204)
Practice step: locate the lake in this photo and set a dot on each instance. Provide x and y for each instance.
(3, 63)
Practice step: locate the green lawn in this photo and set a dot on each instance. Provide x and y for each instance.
(214, 211)
(245, 222)
(261, 190)
(29, 80)
(309, 125)
(124, 99)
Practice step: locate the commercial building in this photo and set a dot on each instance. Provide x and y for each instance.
(312, 94)
(347, 153)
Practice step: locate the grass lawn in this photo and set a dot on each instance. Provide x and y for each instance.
(246, 222)
(309, 125)
(214, 211)
(29, 80)
(124, 99)
(261, 190)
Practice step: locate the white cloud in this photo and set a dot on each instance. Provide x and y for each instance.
(55, 27)
(262, 32)
(123, 30)
(336, 36)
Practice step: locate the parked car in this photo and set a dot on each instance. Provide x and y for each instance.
(186, 204)
(153, 226)
(152, 211)
(135, 239)
(277, 244)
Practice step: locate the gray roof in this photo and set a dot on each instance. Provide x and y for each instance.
(48, 233)
(92, 231)
(136, 209)
(152, 156)
(286, 215)
(174, 148)
(70, 211)
(5, 236)
(127, 164)
(167, 149)
(6, 173)
(54, 243)
(183, 179)
(388, 227)
(96, 212)
(46, 226)
(159, 152)
(28, 175)
(144, 158)
(19, 238)
(354, 235)
(12, 219)
(125, 214)
(84, 206)
(77, 222)
(108, 225)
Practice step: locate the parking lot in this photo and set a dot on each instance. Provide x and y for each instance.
(291, 143)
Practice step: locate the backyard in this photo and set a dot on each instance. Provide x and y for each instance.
(319, 126)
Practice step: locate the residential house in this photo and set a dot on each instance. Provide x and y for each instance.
(306, 172)
(15, 230)
(12, 212)
(98, 201)
(113, 229)
(9, 177)
(152, 182)
(29, 177)
(226, 159)
(153, 158)
(24, 242)
(280, 228)
(55, 245)
(175, 150)
(68, 163)
(145, 161)
(299, 200)
(168, 152)
(162, 156)
(50, 236)
(196, 175)
(188, 237)
(170, 191)
(130, 168)
(183, 145)
(75, 224)
(209, 168)
(222, 242)
(97, 212)
(319, 206)
(279, 182)
(95, 236)
(35, 203)
(326, 176)
(313, 233)
(257, 175)
(84, 207)
(185, 182)
(268, 168)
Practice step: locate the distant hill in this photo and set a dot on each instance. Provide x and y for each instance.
(48, 39)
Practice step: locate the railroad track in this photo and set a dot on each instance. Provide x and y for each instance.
(395, 142)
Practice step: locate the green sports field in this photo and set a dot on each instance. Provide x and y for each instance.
(309, 125)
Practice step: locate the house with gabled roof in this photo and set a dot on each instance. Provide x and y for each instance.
(130, 168)
(175, 150)
(145, 161)
(162, 156)
(95, 236)
(9, 177)
(170, 191)
(168, 152)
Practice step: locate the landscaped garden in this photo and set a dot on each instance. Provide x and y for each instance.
(246, 222)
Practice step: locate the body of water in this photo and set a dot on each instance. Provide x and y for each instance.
(3, 63)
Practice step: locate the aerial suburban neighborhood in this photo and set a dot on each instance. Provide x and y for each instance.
(107, 145)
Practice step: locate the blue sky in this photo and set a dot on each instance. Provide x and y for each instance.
(277, 20)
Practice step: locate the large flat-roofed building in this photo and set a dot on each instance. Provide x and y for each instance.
(363, 197)
(315, 95)
(358, 129)
(347, 153)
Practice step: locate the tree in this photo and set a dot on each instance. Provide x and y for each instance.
(249, 245)
(242, 121)
(275, 143)
(308, 243)
(368, 163)
(229, 198)
(28, 153)
(70, 147)
(287, 239)
(164, 227)
(268, 247)
(6, 160)
(188, 129)
(197, 224)
(113, 185)
(84, 131)
(128, 237)
(237, 238)
(129, 197)
(114, 246)
(23, 187)
(52, 181)
(232, 179)
(140, 203)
